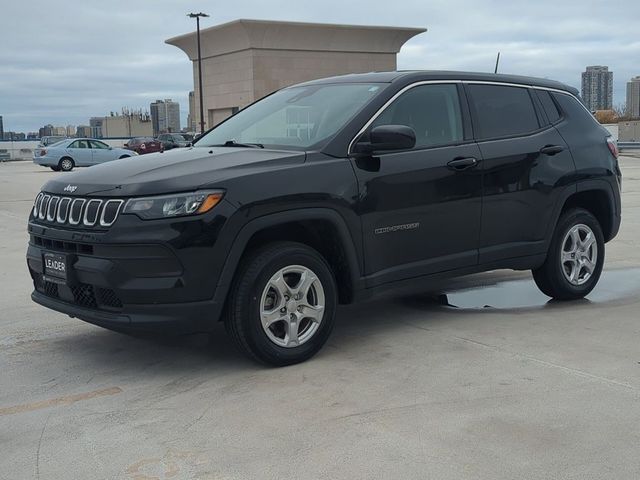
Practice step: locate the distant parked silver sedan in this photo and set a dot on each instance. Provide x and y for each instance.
(78, 152)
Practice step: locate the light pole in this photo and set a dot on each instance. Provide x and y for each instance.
(197, 17)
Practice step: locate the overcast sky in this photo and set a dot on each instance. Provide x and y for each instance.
(65, 61)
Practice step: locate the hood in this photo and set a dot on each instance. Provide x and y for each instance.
(180, 170)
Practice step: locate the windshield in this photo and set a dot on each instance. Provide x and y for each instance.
(296, 117)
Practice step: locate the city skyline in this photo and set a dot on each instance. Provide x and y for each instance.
(47, 85)
(631, 85)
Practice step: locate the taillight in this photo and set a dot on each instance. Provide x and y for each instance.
(613, 148)
(43, 152)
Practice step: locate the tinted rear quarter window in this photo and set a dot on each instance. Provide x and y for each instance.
(550, 108)
(502, 111)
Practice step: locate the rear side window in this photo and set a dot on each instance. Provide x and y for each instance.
(550, 107)
(433, 111)
(502, 111)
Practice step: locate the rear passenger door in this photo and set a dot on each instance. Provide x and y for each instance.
(526, 168)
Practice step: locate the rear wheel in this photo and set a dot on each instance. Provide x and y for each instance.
(66, 164)
(282, 305)
(575, 258)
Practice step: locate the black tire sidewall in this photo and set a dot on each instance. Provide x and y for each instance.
(567, 222)
(249, 307)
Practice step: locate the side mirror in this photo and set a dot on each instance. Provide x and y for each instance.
(388, 137)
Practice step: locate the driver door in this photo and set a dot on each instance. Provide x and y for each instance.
(420, 208)
(80, 153)
(101, 152)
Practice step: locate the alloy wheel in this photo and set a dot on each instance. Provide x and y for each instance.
(579, 254)
(292, 306)
(66, 164)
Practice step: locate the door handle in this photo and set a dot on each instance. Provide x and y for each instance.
(551, 149)
(459, 164)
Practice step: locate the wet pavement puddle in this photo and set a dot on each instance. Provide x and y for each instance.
(614, 285)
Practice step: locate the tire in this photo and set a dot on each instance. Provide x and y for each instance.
(66, 164)
(569, 254)
(254, 291)
(124, 156)
(55, 169)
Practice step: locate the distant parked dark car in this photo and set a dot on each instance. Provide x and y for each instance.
(142, 145)
(174, 140)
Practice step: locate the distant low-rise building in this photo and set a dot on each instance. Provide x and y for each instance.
(45, 131)
(633, 98)
(629, 131)
(13, 136)
(1, 128)
(127, 124)
(244, 60)
(83, 131)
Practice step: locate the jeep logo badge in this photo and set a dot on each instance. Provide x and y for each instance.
(70, 188)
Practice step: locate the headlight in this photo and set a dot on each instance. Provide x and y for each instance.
(176, 205)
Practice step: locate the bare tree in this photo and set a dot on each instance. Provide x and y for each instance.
(622, 112)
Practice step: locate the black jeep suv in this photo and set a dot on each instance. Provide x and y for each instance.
(333, 191)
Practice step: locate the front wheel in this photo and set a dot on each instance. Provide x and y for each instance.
(282, 305)
(575, 257)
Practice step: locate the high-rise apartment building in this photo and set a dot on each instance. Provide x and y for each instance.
(191, 118)
(165, 116)
(597, 88)
(633, 97)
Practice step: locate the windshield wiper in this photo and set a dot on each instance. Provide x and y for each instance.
(233, 143)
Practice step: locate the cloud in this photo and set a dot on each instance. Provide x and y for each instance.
(65, 62)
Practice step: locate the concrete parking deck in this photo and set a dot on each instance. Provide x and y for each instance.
(405, 389)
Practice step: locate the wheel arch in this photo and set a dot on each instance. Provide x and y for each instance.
(596, 197)
(323, 229)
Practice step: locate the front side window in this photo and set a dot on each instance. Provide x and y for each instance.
(294, 118)
(502, 111)
(433, 111)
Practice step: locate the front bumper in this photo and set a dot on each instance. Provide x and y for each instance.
(174, 318)
(138, 275)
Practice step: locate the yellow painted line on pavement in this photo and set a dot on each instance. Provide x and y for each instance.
(54, 402)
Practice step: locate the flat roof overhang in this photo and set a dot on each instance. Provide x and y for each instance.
(274, 35)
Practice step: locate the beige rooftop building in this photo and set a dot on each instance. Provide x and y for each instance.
(245, 60)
